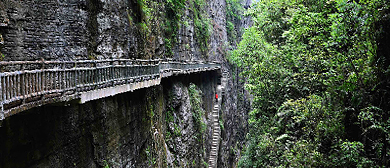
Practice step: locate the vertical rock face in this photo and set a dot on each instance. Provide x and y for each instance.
(99, 29)
(115, 131)
(82, 29)
(186, 134)
(163, 126)
(235, 103)
(218, 42)
(43, 29)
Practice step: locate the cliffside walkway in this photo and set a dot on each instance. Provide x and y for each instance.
(213, 158)
(28, 84)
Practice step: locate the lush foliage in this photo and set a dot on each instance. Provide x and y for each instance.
(202, 25)
(319, 84)
(174, 11)
(175, 19)
(198, 116)
(195, 95)
(234, 16)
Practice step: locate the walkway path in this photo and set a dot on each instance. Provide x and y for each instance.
(215, 141)
(213, 158)
(28, 84)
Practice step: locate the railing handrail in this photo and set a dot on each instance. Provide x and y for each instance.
(24, 80)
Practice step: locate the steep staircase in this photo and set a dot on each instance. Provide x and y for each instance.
(216, 127)
(215, 143)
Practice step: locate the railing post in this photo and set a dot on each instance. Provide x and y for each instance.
(126, 73)
(111, 73)
(75, 77)
(95, 74)
(1, 100)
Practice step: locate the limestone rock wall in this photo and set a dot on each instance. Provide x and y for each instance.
(101, 29)
(43, 29)
(127, 130)
(113, 131)
(236, 102)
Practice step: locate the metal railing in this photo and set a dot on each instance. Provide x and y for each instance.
(27, 84)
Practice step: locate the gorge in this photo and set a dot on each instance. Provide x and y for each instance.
(165, 125)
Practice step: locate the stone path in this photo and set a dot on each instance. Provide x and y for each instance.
(213, 159)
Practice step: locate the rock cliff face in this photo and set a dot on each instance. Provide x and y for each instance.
(98, 29)
(164, 126)
(236, 104)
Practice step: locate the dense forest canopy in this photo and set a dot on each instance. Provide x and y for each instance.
(319, 74)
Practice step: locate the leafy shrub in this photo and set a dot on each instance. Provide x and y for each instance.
(310, 68)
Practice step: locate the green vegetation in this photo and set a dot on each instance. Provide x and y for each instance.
(319, 76)
(174, 11)
(195, 96)
(169, 119)
(1, 44)
(151, 159)
(198, 114)
(142, 14)
(234, 15)
(202, 25)
(105, 163)
(175, 19)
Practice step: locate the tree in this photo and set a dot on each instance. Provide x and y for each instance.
(312, 68)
